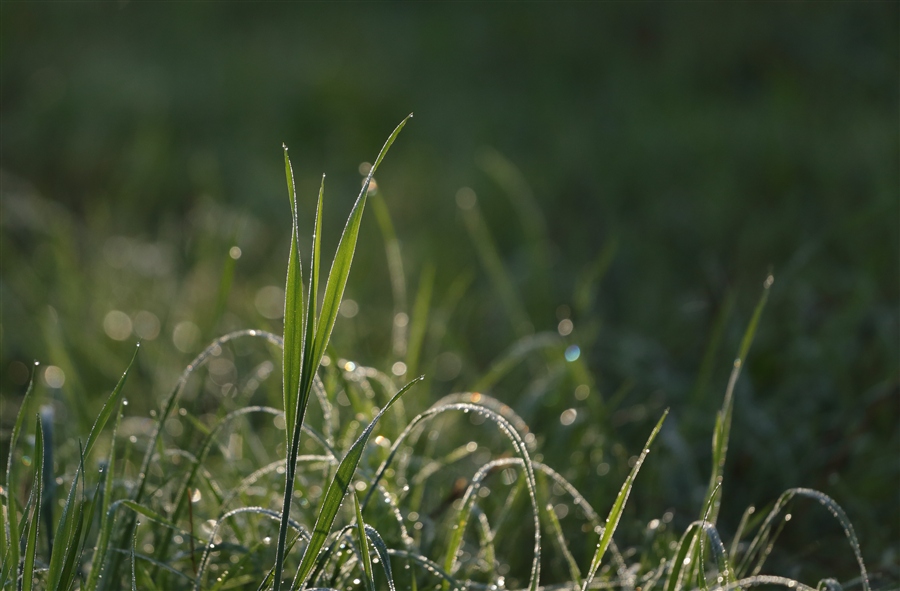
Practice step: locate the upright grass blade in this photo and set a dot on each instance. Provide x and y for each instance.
(109, 406)
(106, 523)
(723, 418)
(365, 558)
(11, 531)
(395, 269)
(493, 264)
(612, 521)
(419, 321)
(67, 531)
(34, 524)
(305, 342)
(337, 488)
(292, 355)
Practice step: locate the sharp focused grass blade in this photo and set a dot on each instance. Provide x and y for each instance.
(303, 352)
(66, 542)
(612, 521)
(292, 359)
(337, 488)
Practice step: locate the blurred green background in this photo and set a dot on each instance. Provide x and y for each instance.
(696, 146)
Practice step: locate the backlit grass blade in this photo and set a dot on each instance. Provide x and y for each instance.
(302, 356)
(337, 488)
(612, 520)
(109, 406)
(364, 556)
(11, 528)
(34, 524)
(292, 355)
(340, 266)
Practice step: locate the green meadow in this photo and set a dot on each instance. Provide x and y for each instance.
(616, 308)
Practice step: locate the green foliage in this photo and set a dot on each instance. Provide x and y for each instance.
(462, 495)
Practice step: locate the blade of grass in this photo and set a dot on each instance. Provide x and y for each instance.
(395, 270)
(68, 521)
(382, 551)
(302, 357)
(615, 513)
(365, 558)
(111, 403)
(337, 488)
(11, 528)
(34, 524)
(419, 321)
(106, 524)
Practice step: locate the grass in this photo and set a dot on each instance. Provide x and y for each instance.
(452, 495)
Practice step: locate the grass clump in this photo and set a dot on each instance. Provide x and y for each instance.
(188, 498)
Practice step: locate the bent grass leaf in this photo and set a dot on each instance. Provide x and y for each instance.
(612, 521)
(337, 488)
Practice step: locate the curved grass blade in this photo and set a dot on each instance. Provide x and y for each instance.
(382, 551)
(615, 513)
(337, 488)
(365, 558)
(514, 355)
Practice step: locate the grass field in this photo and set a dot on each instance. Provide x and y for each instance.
(569, 240)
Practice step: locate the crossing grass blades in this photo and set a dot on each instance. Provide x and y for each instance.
(182, 517)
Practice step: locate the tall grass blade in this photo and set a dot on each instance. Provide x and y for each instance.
(292, 355)
(109, 406)
(302, 356)
(98, 562)
(364, 556)
(722, 431)
(34, 524)
(69, 520)
(419, 321)
(615, 513)
(10, 529)
(395, 270)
